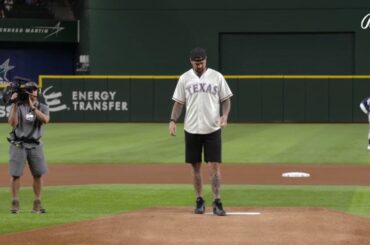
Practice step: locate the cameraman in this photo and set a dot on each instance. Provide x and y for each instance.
(27, 117)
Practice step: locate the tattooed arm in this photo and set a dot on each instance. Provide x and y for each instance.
(176, 112)
(226, 105)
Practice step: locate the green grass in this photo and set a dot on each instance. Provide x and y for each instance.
(78, 143)
(297, 143)
(123, 143)
(66, 204)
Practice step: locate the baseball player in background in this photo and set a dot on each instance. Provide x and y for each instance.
(202, 90)
(365, 107)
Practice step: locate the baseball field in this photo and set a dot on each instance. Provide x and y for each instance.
(123, 183)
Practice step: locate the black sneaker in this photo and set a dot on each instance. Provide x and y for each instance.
(14, 207)
(37, 208)
(200, 207)
(217, 208)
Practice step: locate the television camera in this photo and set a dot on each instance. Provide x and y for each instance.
(20, 85)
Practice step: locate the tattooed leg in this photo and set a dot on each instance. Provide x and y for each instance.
(197, 179)
(215, 179)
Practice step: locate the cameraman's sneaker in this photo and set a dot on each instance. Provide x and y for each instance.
(217, 208)
(200, 207)
(37, 208)
(14, 207)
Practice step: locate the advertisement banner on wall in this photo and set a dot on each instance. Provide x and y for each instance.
(80, 100)
(99, 98)
(95, 100)
(38, 30)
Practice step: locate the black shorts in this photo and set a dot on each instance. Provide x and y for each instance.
(195, 143)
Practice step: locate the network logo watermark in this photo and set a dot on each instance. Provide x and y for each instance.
(365, 23)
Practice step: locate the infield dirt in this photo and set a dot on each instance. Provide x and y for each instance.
(180, 174)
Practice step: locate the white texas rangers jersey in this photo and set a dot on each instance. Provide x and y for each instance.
(202, 97)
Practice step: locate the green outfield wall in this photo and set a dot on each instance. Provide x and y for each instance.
(242, 37)
(251, 42)
(257, 98)
(302, 38)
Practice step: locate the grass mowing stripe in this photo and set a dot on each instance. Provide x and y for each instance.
(297, 143)
(243, 143)
(67, 204)
(359, 204)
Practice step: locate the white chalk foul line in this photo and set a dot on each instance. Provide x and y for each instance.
(237, 213)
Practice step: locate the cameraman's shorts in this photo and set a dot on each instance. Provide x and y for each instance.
(19, 155)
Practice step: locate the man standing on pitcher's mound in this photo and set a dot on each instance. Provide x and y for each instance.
(202, 90)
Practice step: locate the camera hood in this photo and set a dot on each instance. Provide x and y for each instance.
(25, 82)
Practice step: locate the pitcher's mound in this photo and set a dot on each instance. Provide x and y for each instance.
(161, 226)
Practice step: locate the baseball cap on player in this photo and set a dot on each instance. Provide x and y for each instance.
(198, 54)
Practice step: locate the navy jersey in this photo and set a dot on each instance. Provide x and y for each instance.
(365, 105)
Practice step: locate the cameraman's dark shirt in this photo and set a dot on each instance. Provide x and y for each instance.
(29, 127)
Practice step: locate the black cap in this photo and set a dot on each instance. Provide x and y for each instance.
(198, 54)
(31, 85)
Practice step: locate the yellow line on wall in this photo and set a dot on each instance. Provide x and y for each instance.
(164, 77)
(297, 76)
(150, 77)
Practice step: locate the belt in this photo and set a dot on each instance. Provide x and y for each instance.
(22, 140)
